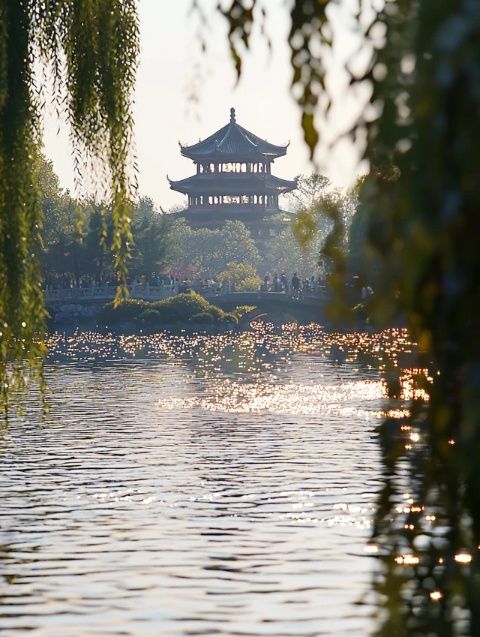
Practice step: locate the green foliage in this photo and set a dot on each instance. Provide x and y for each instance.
(152, 240)
(240, 310)
(304, 247)
(416, 244)
(126, 311)
(203, 318)
(242, 276)
(91, 48)
(249, 284)
(77, 236)
(286, 254)
(207, 252)
(182, 308)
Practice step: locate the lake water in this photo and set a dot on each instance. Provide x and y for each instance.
(193, 485)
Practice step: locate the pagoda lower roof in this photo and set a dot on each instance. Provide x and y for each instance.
(220, 213)
(233, 184)
(233, 141)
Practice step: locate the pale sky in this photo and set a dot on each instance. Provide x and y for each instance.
(173, 69)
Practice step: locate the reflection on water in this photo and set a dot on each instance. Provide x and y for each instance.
(193, 485)
(231, 484)
(427, 531)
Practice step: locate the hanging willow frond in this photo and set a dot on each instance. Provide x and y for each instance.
(420, 209)
(92, 48)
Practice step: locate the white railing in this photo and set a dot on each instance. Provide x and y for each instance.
(107, 293)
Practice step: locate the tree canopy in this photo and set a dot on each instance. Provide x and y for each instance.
(206, 252)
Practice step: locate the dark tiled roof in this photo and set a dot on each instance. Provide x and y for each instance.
(233, 141)
(233, 184)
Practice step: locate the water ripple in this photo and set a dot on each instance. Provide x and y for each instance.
(172, 496)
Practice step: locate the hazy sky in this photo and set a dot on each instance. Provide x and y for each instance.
(184, 95)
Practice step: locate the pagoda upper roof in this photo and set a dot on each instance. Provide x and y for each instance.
(233, 141)
(233, 184)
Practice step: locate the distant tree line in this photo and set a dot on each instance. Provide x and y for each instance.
(77, 237)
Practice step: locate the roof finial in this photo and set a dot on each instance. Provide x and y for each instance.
(232, 114)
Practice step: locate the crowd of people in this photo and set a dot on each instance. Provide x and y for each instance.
(280, 283)
(295, 286)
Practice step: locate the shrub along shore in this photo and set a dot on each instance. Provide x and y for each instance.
(182, 310)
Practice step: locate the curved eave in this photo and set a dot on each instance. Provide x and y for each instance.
(235, 143)
(237, 184)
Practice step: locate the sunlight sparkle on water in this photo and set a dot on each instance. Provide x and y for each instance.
(250, 355)
(407, 560)
(436, 596)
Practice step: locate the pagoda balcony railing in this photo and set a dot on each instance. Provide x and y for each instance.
(233, 206)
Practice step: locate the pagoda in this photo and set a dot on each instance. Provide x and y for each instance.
(234, 181)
